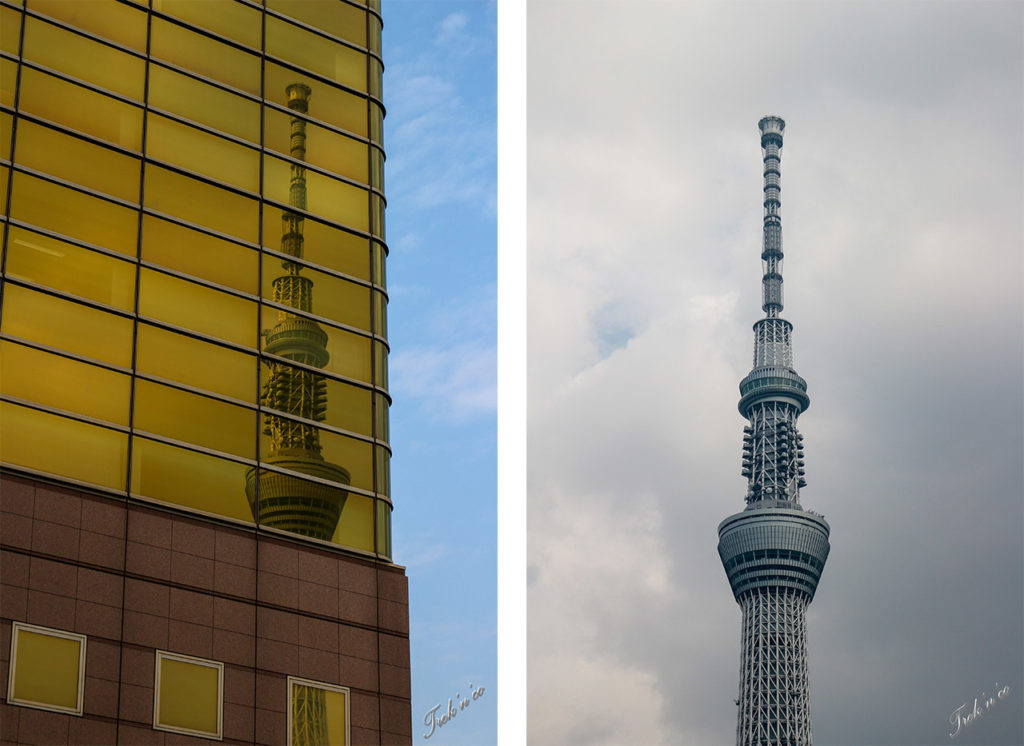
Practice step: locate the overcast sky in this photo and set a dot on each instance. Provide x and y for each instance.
(902, 196)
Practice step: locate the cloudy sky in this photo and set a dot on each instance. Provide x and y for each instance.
(439, 89)
(903, 190)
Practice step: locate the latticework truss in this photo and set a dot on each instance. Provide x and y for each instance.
(773, 456)
(309, 716)
(774, 704)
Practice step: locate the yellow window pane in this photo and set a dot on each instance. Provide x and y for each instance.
(377, 215)
(84, 58)
(74, 214)
(189, 696)
(64, 266)
(190, 479)
(5, 177)
(348, 406)
(78, 161)
(327, 103)
(107, 18)
(202, 309)
(376, 123)
(322, 244)
(383, 456)
(63, 383)
(355, 528)
(354, 456)
(374, 34)
(379, 265)
(67, 325)
(6, 123)
(380, 363)
(339, 19)
(203, 153)
(332, 297)
(192, 418)
(81, 109)
(381, 414)
(319, 715)
(349, 353)
(177, 247)
(47, 668)
(325, 148)
(376, 77)
(204, 103)
(380, 313)
(10, 29)
(377, 168)
(206, 56)
(329, 198)
(316, 53)
(201, 203)
(224, 17)
(193, 362)
(8, 76)
(383, 528)
(62, 447)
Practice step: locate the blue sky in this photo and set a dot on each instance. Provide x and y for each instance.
(440, 130)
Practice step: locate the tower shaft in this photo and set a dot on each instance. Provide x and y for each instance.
(774, 702)
(773, 551)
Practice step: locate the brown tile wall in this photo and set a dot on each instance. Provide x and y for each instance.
(135, 578)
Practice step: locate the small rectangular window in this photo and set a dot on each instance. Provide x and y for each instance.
(47, 669)
(317, 713)
(189, 695)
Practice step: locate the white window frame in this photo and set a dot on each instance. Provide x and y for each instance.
(162, 655)
(328, 687)
(16, 627)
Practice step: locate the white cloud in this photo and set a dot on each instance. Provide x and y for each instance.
(451, 28)
(454, 381)
(440, 145)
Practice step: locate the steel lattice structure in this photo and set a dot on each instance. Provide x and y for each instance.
(309, 717)
(774, 550)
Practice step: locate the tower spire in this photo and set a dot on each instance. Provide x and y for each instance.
(774, 550)
(772, 128)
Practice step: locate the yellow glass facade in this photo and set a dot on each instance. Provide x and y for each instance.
(47, 668)
(189, 695)
(193, 299)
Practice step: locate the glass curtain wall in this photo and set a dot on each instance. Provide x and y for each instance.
(193, 301)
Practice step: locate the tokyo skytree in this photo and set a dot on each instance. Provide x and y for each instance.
(774, 550)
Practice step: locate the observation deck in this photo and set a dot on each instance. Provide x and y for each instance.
(773, 383)
(773, 544)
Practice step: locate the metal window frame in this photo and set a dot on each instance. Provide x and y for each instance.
(16, 628)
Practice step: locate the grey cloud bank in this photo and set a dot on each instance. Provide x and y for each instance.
(902, 197)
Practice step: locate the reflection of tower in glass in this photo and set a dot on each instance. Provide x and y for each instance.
(286, 502)
(309, 716)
